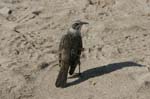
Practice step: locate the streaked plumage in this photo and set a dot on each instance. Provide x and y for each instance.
(69, 53)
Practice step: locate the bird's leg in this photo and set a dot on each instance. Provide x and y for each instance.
(79, 69)
(60, 60)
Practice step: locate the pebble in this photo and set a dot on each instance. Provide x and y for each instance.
(43, 65)
(5, 11)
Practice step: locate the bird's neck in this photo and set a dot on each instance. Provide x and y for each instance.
(74, 32)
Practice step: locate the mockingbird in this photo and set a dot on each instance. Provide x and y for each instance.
(70, 49)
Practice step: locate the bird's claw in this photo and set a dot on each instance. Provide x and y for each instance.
(80, 74)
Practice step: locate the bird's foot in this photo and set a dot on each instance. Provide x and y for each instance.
(80, 74)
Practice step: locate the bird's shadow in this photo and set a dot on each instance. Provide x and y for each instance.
(98, 71)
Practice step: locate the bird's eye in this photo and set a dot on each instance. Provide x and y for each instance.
(76, 24)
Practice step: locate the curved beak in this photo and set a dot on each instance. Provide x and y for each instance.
(84, 23)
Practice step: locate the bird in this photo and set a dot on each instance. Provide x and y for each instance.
(70, 48)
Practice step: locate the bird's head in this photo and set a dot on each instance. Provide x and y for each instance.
(77, 25)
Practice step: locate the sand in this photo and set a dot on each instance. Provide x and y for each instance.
(114, 65)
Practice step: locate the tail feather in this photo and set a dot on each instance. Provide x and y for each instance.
(62, 76)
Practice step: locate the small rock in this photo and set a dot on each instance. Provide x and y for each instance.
(90, 2)
(27, 77)
(145, 34)
(36, 12)
(94, 83)
(99, 49)
(43, 65)
(16, 52)
(5, 11)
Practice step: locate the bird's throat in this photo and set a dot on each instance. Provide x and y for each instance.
(74, 32)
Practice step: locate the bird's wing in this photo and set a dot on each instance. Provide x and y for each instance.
(75, 55)
(65, 42)
(64, 48)
(64, 59)
(80, 45)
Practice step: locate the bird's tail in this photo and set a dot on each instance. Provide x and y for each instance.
(62, 76)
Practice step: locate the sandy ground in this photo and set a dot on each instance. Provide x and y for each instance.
(115, 63)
